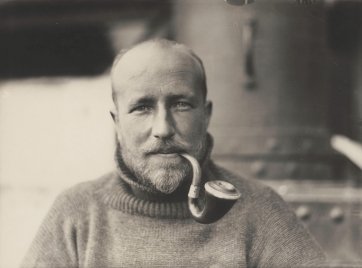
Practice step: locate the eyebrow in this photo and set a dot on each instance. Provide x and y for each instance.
(152, 98)
(174, 97)
(142, 100)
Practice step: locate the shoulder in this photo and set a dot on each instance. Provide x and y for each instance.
(80, 197)
(277, 236)
(258, 202)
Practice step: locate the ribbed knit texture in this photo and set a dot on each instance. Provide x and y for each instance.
(101, 224)
(118, 197)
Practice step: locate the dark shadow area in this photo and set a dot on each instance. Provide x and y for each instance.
(71, 50)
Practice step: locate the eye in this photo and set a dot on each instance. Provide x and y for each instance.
(142, 109)
(182, 106)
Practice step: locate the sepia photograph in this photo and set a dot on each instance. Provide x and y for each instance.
(180, 133)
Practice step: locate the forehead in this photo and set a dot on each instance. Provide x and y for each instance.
(152, 67)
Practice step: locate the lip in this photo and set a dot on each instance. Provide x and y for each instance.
(167, 155)
(167, 151)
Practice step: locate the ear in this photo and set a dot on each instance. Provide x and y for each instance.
(208, 112)
(113, 113)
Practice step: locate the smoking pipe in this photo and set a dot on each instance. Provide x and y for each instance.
(219, 197)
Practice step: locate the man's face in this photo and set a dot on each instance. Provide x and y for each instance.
(161, 113)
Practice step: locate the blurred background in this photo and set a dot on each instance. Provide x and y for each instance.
(284, 76)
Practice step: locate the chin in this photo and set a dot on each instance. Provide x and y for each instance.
(167, 180)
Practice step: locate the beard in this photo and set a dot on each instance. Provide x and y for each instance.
(161, 174)
(163, 177)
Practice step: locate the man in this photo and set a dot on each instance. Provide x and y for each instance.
(138, 215)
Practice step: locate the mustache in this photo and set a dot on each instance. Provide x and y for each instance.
(165, 147)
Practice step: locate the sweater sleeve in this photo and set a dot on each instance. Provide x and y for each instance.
(55, 242)
(279, 239)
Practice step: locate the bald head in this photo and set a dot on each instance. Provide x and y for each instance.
(159, 55)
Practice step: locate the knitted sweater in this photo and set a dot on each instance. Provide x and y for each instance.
(101, 223)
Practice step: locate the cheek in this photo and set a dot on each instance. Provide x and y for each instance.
(192, 128)
(131, 134)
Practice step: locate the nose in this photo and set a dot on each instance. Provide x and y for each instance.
(163, 125)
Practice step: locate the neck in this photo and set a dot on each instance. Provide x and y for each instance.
(145, 192)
